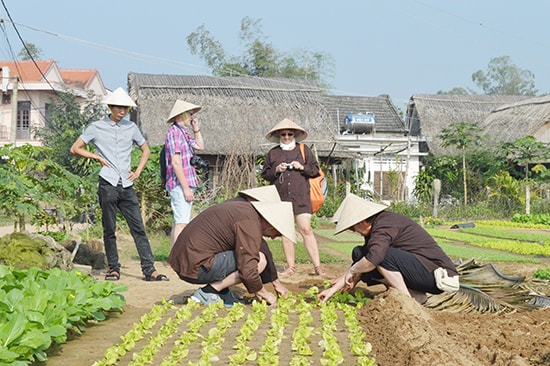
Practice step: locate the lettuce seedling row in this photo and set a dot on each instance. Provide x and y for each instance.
(298, 331)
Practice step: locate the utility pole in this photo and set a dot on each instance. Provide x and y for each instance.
(13, 130)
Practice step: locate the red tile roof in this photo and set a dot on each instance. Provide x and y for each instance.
(78, 78)
(28, 72)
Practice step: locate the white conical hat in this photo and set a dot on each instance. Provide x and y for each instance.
(353, 210)
(338, 212)
(279, 215)
(264, 193)
(119, 97)
(286, 124)
(181, 106)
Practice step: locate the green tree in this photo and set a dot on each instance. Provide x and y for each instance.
(155, 208)
(442, 167)
(461, 135)
(29, 52)
(505, 190)
(31, 184)
(65, 122)
(504, 78)
(260, 58)
(524, 151)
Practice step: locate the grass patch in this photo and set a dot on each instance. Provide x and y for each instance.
(454, 250)
(344, 248)
(301, 255)
(506, 224)
(342, 237)
(162, 249)
(539, 238)
(513, 246)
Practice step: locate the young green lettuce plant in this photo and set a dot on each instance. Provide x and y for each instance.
(128, 341)
(37, 307)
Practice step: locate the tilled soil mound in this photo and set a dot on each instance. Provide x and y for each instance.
(403, 332)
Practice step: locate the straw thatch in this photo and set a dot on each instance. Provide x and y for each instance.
(237, 111)
(428, 115)
(511, 122)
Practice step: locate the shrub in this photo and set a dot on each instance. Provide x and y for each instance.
(543, 274)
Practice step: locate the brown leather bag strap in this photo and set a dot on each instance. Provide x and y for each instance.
(303, 152)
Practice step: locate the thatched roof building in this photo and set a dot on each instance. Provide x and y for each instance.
(428, 115)
(237, 111)
(511, 122)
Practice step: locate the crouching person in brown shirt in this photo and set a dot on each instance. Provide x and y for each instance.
(221, 248)
(397, 252)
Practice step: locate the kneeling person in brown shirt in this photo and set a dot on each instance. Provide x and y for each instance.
(221, 248)
(397, 252)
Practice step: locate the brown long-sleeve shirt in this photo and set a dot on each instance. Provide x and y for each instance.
(231, 225)
(390, 229)
(292, 185)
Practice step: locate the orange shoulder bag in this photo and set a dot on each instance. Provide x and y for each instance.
(316, 184)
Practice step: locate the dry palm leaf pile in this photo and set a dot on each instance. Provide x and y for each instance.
(484, 289)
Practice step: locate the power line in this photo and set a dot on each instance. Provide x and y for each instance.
(155, 60)
(14, 59)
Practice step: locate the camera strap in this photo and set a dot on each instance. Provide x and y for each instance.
(186, 138)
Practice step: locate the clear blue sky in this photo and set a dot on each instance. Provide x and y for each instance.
(395, 47)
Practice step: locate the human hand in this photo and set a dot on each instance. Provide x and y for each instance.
(103, 162)
(280, 289)
(195, 123)
(188, 194)
(269, 298)
(132, 175)
(337, 285)
(296, 165)
(281, 168)
(324, 295)
(350, 280)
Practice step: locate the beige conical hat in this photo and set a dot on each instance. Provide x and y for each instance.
(353, 210)
(279, 215)
(338, 212)
(264, 194)
(119, 97)
(181, 106)
(286, 124)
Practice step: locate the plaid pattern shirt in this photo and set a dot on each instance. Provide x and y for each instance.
(178, 140)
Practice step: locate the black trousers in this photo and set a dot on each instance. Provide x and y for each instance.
(111, 200)
(416, 276)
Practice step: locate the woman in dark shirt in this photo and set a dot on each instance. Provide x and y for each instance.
(286, 168)
(397, 252)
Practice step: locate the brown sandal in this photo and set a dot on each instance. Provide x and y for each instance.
(289, 271)
(112, 275)
(319, 271)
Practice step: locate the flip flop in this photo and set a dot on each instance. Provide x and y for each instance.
(159, 277)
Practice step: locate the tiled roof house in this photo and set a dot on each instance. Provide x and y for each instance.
(36, 86)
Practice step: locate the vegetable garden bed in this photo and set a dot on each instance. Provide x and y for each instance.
(296, 332)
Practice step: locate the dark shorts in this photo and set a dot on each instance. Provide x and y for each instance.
(224, 264)
(416, 276)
